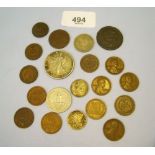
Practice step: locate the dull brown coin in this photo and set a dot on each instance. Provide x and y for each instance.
(24, 117)
(28, 74)
(59, 39)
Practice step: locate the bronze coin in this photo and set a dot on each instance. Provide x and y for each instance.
(109, 38)
(36, 95)
(59, 39)
(24, 117)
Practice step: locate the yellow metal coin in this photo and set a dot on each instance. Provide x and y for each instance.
(58, 99)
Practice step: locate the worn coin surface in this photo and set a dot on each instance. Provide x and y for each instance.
(24, 117)
(109, 38)
(59, 64)
(51, 122)
(129, 81)
(114, 129)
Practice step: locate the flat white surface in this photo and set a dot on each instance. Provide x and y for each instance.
(137, 51)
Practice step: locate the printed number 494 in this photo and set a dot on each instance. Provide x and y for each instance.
(78, 19)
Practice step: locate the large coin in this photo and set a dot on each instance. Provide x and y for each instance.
(59, 64)
(58, 99)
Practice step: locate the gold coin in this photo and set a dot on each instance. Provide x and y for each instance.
(114, 65)
(51, 123)
(79, 88)
(83, 42)
(59, 64)
(77, 119)
(124, 105)
(58, 99)
(129, 81)
(114, 129)
(101, 85)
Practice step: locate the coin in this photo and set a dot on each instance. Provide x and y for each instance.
(129, 81)
(59, 64)
(58, 100)
(28, 74)
(114, 129)
(96, 109)
(79, 88)
(33, 51)
(59, 39)
(114, 65)
(51, 122)
(109, 38)
(101, 85)
(24, 117)
(36, 95)
(83, 43)
(40, 29)
(77, 120)
(89, 63)
(124, 105)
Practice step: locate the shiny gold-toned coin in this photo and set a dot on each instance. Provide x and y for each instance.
(83, 42)
(58, 99)
(129, 82)
(96, 109)
(124, 105)
(59, 64)
(77, 120)
(114, 129)
(101, 85)
(114, 65)
(79, 88)
(51, 122)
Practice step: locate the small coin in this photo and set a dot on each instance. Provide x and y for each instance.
(33, 51)
(114, 65)
(101, 85)
(59, 64)
(83, 43)
(59, 39)
(109, 38)
(28, 74)
(124, 105)
(58, 100)
(89, 63)
(36, 95)
(129, 82)
(96, 109)
(114, 129)
(77, 120)
(40, 29)
(24, 117)
(51, 122)
(79, 88)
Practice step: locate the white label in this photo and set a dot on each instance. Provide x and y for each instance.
(79, 19)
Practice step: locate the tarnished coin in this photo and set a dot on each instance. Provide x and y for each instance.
(114, 65)
(129, 81)
(96, 109)
(89, 63)
(36, 95)
(58, 99)
(59, 39)
(114, 129)
(28, 74)
(101, 85)
(124, 105)
(83, 43)
(51, 122)
(79, 88)
(77, 120)
(40, 29)
(109, 38)
(59, 64)
(24, 117)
